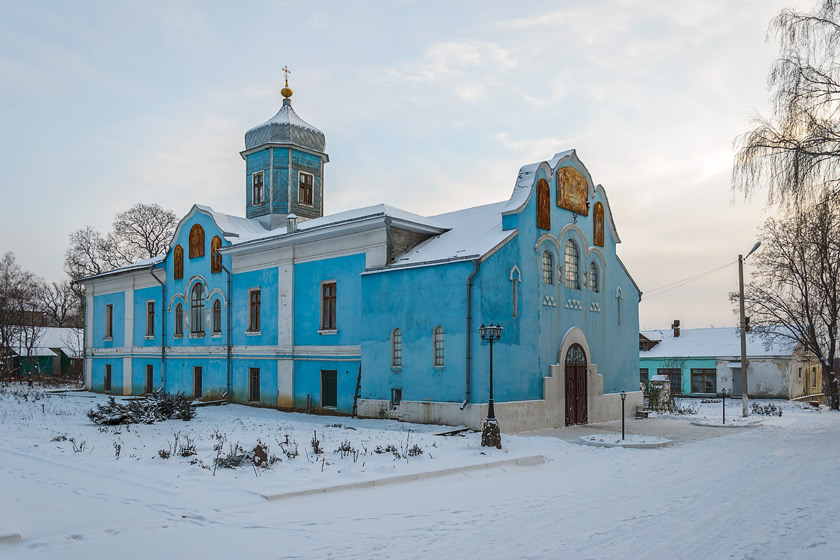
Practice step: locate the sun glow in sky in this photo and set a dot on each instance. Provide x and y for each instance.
(427, 106)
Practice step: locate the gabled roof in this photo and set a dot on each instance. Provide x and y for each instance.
(720, 342)
(472, 232)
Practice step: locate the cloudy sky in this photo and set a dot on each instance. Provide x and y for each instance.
(428, 106)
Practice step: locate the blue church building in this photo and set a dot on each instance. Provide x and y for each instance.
(376, 311)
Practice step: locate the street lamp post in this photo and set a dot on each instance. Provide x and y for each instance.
(490, 434)
(744, 396)
(623, 398)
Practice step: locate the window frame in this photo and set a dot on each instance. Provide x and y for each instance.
(257, 189)
(439, 346)
(594, 280)
(548, 268)
(179, 320)
(150, 318)
(671, 373)
(198, 382)
(308, 190)
(109, 321)
(106, 381)
(703, 374)
(644, 379)
(217, 316)
(150, 379)
(197, 325)
(328, 319)
(571, 265)
(254, 311)
(253, 384)
(396, 349)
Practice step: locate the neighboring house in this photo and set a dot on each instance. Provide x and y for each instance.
(58, 351)
(702, 362)
(377, 310)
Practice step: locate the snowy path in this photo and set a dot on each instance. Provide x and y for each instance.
(767, 492)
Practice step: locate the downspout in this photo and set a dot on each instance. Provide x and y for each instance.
(162, 329)
(469, 333)
(227, 391)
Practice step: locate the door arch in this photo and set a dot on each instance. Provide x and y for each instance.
(575, 367)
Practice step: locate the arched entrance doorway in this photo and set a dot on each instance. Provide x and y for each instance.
(576, 412)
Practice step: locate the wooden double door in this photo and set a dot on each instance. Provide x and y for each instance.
(576, 411)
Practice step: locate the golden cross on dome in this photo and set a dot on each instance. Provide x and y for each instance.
(286, 71)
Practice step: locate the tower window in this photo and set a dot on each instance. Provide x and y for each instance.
(257, 188)
(305, 182)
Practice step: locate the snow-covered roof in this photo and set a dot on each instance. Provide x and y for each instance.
(234, 228)
(471, 232)
(286, 127)
(713, 343)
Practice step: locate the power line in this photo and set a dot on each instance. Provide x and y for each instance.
(680, 283)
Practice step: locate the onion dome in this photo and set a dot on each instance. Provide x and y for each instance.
(286, 127)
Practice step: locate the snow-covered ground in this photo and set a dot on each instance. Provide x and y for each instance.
(768, 491)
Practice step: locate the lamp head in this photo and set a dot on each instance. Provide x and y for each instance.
(482, 330)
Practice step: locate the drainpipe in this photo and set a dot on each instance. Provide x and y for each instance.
(227, 391)
(162, 329)
(469, 332)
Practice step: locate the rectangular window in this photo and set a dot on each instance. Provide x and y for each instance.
(150, 318)
(396, 397)
(197, 382)
(254, 384)
(329, 388)
(305, 182)
(150, 378)
(396, 348)
(644, 379)
(703, 381)
(814, 378)
(109, 321)
(257, 188)
(439, 348)
(254, 303)
(675, 376)
(328, 301)
(106, 384)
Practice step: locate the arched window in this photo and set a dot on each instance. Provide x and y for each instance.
(438, 346)
(178, 257)
(571, 266)
(543, 205)
(196, 241)
(396, 348)
(593, 278)
(215, 257)
(547, 268)
(197, 309)
(217, 316)
(179, 320)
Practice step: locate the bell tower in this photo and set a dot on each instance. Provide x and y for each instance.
(284, 167)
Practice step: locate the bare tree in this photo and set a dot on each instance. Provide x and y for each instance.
(141, 232)
(795, 152)
(21, 325)
(795, 289)
(61, 304)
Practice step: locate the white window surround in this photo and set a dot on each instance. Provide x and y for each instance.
(257, 332)
(322, 330)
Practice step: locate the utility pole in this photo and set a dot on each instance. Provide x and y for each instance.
(745, 400)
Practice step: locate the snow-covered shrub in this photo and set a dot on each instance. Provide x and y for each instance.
(147, 410)
(768, 409)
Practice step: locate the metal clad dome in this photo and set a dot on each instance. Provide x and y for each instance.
(286, 127)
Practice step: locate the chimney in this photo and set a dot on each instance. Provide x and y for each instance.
(291, 223)
(676, 327)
